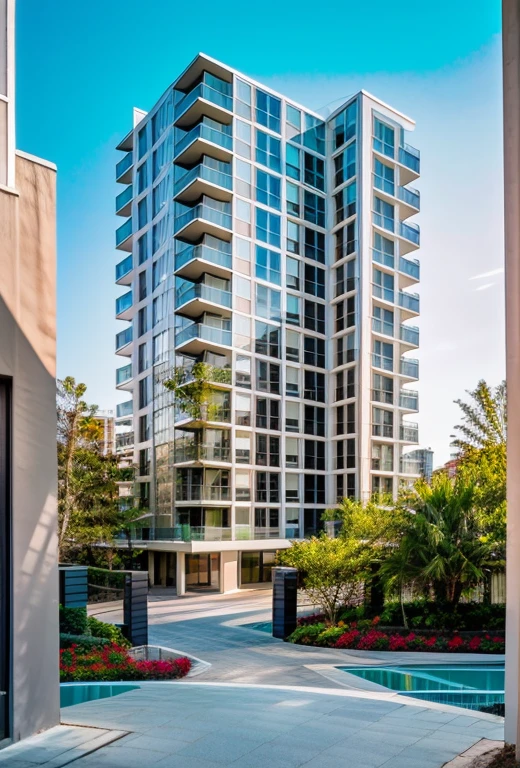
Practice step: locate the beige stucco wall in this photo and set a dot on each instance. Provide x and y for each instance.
(28, 356)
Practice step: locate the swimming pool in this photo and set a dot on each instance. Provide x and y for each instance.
(71, 693)
(463, 685)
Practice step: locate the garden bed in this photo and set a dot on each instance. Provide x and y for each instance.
(113, 663)
(369, 635)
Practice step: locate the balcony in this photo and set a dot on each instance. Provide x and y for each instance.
(203, 180)
(123, 341)
(409, 400)
(195, 260)
(215, 413)
(410, 201)
(124, 169)
(411, 269)
(189, 452)
(383, 430)
(124, 202)
(217, 375)
(409, 368)
(380, 326)
(193, 300)
(124, 236)
(409, 303)
(124, 409)
(124, 376)
(203, 219)
(386, 259)
(124, 271)
(204, 493)
(410, 158)
(412, 234)
(124, 306)
(204, 100)
(409, 433)
(198, 338)
(124, 440)
(410, 466)
(203, 139)
(409, 334)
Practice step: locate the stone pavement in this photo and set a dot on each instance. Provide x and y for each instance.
(262, 703)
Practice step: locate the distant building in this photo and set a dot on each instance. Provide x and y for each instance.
(424, 459)
(107, 422)
(451, 466)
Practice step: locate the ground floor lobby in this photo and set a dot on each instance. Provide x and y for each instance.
(221, 572)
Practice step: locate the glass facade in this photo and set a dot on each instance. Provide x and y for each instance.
(248, 221)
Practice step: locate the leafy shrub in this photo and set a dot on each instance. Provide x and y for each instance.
(73, 621)
(307, 634)
(329, 636)
(82, 642)
(107, 631)
(112, 662)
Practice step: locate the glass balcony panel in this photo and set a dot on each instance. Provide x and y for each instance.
(203, 493)
(190, 292)
(387, 294)
(203, 91)
(124, 440)
(201, 452)
(213, 255)
(124, 164)
(123, 374)
(409, 301)
(124, 302)
(410, 196)
(202, 211)
(409, 433)
(386, 363)
(410, 334)
(201, 171)
(124, 198)
(410, 267)
(124, 337)
(205, 332)
(410, 367)
(124, 409)
(387, 259)
(123, 232)
(410, 232)
(386, 222)
(385, 185)
(380, 326)
(409, 399)
(410, 157)
(202, 131)
(382, 430)
(124, 267)
(383, 147)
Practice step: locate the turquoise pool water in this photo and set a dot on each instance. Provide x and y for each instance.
(261, 626)
(463, 685)
(78, 694)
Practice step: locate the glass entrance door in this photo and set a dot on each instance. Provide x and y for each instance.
(202, 571)
(5, 518)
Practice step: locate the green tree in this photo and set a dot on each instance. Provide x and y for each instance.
(442, 546)
(332, 570)
(193, 388)
(484, 421)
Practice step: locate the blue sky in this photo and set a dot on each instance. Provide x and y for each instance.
(80, 73)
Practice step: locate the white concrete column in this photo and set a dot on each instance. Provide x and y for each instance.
(511, 85)
(228, 571)
(181, 573)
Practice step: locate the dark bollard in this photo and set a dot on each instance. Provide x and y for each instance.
(136, 607)
(285, 601)
(73, 586)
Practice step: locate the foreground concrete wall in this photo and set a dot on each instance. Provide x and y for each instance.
(28, 357)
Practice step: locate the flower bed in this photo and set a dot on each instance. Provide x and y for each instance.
(369, 636)
(113, 663)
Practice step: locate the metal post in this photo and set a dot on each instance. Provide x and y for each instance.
(511, 86)
(285, 601)
(136, 607)
(73, 586)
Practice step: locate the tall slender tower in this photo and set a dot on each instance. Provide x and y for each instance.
(276, 247)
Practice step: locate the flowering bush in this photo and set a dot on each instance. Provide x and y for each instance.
(367, 635)
(112, 662)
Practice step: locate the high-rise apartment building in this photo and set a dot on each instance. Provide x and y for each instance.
(277, 247)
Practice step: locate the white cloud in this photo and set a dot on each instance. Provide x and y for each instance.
(485, 287)
(488, 274)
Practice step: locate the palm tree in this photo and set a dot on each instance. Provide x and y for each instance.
(442, 547)
(484, 419)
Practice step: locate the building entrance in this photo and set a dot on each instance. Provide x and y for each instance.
(202, 572)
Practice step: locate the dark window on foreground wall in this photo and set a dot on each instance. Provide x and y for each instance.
(5, 554)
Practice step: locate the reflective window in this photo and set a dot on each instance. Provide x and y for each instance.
(267, 266)
(314, 171)
(268, 151)
(267, 302)
(268, 189)
(345, 125)
(345, 165)
(292, 162)
(268, 227)
(314, 208)
(268, 110)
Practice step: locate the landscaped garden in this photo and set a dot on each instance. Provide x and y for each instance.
(94, 651)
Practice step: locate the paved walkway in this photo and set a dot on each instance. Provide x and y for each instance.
(262, 703)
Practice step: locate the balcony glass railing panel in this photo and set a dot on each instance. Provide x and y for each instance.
(409, 399)
(124, 409)
(190, 292)
(124, 302)
(124, 198)
(213, 255)
(383, 396)
(386, 222)
(410, 466)
(410, 432)
(202, 131)
(124, 373)
(410, 334)
(124, 337)
(386, 363)
(202, 452)
(208, 412)
(410, 368)
(203, 493)
(385, 185)
(124, 232)
(201, 171)
(124, 439)
(382, 430)
(410, 232)
(124, 267)
(202, 211)
(387, 259)
(205, 332)
(203, 91)
(409, 301)
(124, 164)
(410, 196)
(387, 294)
(410, 267)
(410, 157)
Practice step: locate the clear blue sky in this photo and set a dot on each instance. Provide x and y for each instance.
(81, 67)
